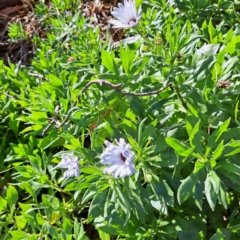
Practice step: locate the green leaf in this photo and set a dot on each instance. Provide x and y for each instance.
(146, 133)
(222, 195)
(97, 205)
(217, 153)
(218, 235)
(195, 136)
(79, 233)
(140, 133)
(127, 58)
(108, 61)
(12, 196)
(180, 148)
(3, 203)
(19, 234)
(125, 202)
(89, 194)
(228, 167)
(21, 221)
(163, 194)
(189, 234)
(186, 188)
(55, 81)
(198, 166)
(215, 181)
(233, 152)
(212, 185)
(230, 64)
(198, 194)
(103, 235)
(218, 133)
(47, 228)
(67, 226)
(231, 46)
(162, 191)
(236, 113)
(86, 182)
(209, 49)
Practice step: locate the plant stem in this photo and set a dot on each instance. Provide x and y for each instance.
(175, 89)
(144, 38)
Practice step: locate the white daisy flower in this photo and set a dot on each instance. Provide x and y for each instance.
(71, 163)
(119, 159)
(126, 14)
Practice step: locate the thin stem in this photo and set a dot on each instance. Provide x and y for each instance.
(145, 39)
(175, 89)
(101, 82)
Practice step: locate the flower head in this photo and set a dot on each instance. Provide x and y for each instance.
(71, 163)
(119, 159)
(126, 14)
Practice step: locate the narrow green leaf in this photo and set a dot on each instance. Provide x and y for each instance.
(215, 181)
(189, 234)
(12, 196)
(3, 203)
(67, 226)
(195, 138)
(228, 167)
(186, 188)
(103, 235)
(217, 153)
(108, 61)
(210, 191)
(198, 166)
(140, 133)
(180, 148)
(198, 194)
(54, 80)
(218, 235)
(222, 195)
(127, 57)
(218, 133)
(236, 113)
(234, 152)
(97, 205)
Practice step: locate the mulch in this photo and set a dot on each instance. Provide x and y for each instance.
(22, 11)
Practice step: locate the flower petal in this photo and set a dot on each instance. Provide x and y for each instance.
(119, 159)
(118, 171)
(107, 143)
(126, 14)
(112, 168)
(70, 162)
(63, 164)
(118, 24)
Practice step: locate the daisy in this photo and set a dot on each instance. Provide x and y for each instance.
(119, 159)
(71, 163)
(126, 14)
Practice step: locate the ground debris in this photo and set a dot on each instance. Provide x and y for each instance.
(18, 49)
(100, 13)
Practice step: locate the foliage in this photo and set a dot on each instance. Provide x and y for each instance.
(186, 139)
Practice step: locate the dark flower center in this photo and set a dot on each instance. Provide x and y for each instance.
(122, 157)
(132, 20)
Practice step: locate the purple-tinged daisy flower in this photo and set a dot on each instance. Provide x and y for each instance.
(71, 163)
(126, 14)
(119, 159)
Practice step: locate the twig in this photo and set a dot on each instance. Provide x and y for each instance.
(38, 75)
(175, 89)
(101, 82)
(113, 86)
(53, 120)
(48, 126)
(8, 96)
